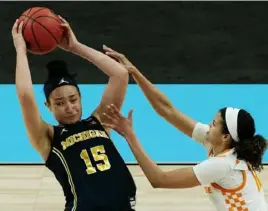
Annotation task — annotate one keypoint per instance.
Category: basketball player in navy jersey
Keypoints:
(79, 152)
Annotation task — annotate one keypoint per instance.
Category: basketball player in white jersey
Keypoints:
(235, 151)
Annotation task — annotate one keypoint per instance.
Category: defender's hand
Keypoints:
(118, 122)
(120, 58)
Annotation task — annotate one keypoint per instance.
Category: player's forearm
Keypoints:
(150, 168)
(158, 100)
(23, 78)
(102, 61)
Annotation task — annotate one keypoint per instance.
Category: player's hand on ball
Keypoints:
(118, 122)
(69, 40)
(120, 58)
(18, 39)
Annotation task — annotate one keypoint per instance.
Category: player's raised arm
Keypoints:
(160, 102)
(115, 91)
(37, 129)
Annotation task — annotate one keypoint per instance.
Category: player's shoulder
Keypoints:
(212, 170)
(219, 160)
(214, 166)
(58, 131)
(229, 157)
(92, 120)
(222, 159)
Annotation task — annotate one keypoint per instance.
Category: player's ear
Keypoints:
(227, 137)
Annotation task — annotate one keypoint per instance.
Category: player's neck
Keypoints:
(219, 149)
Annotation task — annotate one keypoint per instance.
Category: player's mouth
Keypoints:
(71, 116)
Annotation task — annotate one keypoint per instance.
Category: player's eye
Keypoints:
(73, 100)
(59, 103)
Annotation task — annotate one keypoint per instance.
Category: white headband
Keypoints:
(231, 117)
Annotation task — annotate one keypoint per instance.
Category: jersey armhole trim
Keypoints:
(52, 142)
(244, 174)
(98, 121)
(55, 133)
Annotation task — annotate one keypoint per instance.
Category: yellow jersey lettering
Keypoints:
(82, 136)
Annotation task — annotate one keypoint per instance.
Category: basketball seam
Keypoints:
(24, 25)
(35, 21)
(42, 8)
(27, 20)
(32, 28)
(43, 16)
(47, 31)
(29, 17)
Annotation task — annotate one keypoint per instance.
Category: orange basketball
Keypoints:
(42, 30)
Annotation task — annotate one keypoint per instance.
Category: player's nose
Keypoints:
(69, 108)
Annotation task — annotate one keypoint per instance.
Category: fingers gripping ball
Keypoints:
(42, 30)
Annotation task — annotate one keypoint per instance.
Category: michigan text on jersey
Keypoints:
(82, 136)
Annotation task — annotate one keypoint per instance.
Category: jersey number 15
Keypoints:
(98, 153)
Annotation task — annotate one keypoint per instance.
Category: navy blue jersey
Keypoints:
(93, 175)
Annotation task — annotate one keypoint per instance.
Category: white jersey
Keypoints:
(230, 183)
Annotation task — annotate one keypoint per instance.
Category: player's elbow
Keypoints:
(160, 184)
(156, 181)
(122, 77)
(25, 95)
(155, 185)
(23, 90)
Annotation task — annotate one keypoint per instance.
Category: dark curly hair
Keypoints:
(250, 147)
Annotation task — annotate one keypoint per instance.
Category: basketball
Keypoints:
(42, 30)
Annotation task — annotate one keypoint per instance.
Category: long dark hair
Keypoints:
(250, 147)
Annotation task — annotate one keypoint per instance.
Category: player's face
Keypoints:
(65, 104)
(215, 135)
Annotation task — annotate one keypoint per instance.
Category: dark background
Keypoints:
(170, 42)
